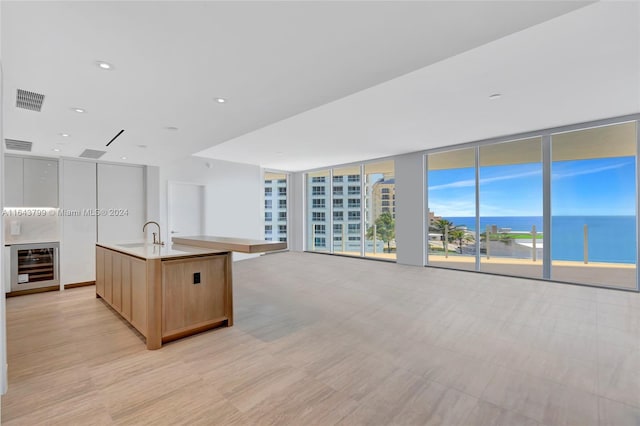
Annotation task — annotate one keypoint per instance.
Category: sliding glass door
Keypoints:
(318, 219)
(275, 206)
(589, 182)
(347, 193)
(511, 223)
(351, 210)
(380, 210)
(594, 206)
(451, 219)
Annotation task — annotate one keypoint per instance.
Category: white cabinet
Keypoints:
(40, 183)
(121, 202)
(31, 182)
(117, 193)
(77, 249)
(13, 181)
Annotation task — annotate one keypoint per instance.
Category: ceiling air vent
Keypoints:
(17, 145)
(29, 100)
(92, 153)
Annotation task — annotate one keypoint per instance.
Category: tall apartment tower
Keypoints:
(383, 198)
(275, 207)
(344, 191)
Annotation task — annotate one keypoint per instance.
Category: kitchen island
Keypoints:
(173, 291)
(166, 292)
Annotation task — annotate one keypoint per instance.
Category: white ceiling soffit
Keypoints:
(271, 60)
(581, 66)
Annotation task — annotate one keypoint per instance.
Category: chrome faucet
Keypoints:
(155, 240)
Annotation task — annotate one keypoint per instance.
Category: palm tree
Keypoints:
(443, 226)
(460, 236)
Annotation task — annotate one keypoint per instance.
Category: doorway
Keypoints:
(186, 209)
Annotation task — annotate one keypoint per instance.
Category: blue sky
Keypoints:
(582, 187)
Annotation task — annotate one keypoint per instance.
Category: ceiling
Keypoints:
(307, 84)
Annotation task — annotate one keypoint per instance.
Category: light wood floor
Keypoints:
(332, 340)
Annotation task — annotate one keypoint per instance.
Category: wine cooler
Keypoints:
(34, 266)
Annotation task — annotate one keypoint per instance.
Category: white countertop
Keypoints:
(154, 251)
(17, 243)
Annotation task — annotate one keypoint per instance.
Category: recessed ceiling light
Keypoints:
(495, 96)
(221, 100)
(64, 135)
(79, 110)
(56, 149)
(172, 128)
(123, 158)
(104, 65)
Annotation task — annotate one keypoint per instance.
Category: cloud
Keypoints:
(573, 173)
(472, 182)
(453, 207)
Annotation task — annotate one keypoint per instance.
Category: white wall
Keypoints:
(152, 191)
(233, 194)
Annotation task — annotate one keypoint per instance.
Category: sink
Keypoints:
(132, 245)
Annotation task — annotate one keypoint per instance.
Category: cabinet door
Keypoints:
(40, 183)
(78, 232)
(13, 181)
(116, 287)
(121, 194)
(139, 295)
(126, 287)
(100, 271)
(187, 303)
(108, 275)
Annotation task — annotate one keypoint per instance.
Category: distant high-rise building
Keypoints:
(383, 198)
(345, 191)
(275, 207)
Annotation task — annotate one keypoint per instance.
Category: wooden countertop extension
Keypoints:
(241, 245)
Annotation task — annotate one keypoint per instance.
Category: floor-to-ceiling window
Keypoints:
(351, 210)
(347, 191)
(275, 206)
(451, 195)
(380, 210)
(318, 211)
(593, 205)
(560, 206)
(511, 223)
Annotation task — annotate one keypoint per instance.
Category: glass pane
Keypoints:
(346, 188)
(380, 210)
(318, 221)
(593, 226)
(275, 206)
(452, 209)
(511, 208)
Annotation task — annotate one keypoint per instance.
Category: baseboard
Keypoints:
(82, 284)
(33, 290)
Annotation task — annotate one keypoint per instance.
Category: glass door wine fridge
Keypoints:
(34, 266)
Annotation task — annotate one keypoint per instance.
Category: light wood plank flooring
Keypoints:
(323, 340)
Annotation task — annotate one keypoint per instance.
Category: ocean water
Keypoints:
(611, 238)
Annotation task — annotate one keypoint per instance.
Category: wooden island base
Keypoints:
(166, 294)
